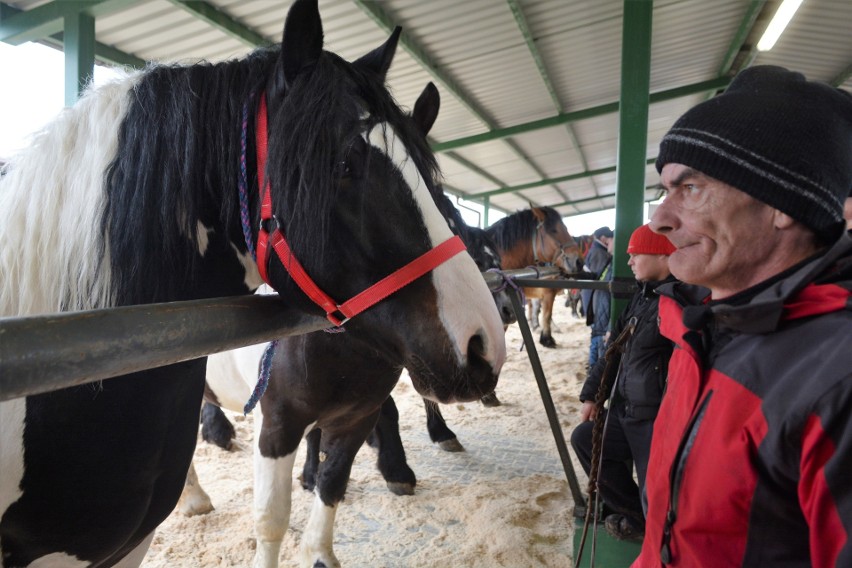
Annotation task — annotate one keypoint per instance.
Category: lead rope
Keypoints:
(262, 377)
(243, 187)
(245, 221)
(604, 391)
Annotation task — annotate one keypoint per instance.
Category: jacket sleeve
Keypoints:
(824, 488)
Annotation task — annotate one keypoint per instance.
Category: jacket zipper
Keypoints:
(676, 476)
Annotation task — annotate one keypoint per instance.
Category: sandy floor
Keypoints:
(503, 502)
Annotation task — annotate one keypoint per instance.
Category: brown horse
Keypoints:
(537, 237)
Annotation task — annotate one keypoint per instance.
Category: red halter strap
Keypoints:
(366, 299)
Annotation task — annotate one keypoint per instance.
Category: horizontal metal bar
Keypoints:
(44, 353)
(563, 283)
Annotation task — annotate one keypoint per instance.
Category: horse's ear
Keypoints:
(301, 45)
(379, 60)
(426, 108)
(539, 213)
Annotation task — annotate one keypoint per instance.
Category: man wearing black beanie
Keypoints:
(752, 449)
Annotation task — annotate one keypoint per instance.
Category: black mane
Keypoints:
(312, 137)
(178, 161)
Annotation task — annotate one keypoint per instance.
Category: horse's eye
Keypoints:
(345, 169)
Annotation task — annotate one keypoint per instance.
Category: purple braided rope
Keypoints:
(508, 282)
(262, 378)
(243, 186)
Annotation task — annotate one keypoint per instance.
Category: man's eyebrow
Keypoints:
(684, 175)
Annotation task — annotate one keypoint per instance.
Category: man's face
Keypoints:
(847, 212)
(649, 267)
(723, 236)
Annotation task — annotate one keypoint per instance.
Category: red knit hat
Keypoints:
(645, 241)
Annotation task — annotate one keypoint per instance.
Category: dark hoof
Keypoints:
(400, 488)
(307, 484)
(490, 400)
(547, 341)
(451, 445)
(216, 428)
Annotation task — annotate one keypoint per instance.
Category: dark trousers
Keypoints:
(625, 439)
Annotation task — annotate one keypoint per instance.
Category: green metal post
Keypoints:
(486, 206)
(79, 54)
(632, 133)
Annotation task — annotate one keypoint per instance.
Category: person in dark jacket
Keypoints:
(637, 394)
(752, 449)
(596, 302)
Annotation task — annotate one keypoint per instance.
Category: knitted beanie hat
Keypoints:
(774, 135)
(645, 241)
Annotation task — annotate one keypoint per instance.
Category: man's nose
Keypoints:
(664, 219)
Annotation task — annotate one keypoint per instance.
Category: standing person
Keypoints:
(751, 460)
(636, 398)
(595, 263)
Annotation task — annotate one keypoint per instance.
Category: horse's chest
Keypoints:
(103, 464)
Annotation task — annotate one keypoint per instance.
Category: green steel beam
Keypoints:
(743, 31)
(599, 197)
(382, 19)
(524, 27)
(103, 52)
(218, 19)
(79, 54)
(379, 16)
(632, 133)
(550, 181)
(48, 19)
(592, 112)
(842, 77)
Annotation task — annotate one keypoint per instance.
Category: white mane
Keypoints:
(51, 202)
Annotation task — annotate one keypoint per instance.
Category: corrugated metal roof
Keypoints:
(477, 54)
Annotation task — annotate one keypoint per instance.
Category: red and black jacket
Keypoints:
(751, 460)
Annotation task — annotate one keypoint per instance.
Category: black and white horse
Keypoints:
(334, 388)
(132, 196)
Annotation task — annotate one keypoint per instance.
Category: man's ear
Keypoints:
(781, 220)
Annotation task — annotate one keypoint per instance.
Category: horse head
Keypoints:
(352, 187)
(552, 243)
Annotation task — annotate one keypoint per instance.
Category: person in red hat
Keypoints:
(636, 394)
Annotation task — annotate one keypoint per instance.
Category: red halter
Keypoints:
(366, 299)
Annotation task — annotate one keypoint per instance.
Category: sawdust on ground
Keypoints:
(504, 502)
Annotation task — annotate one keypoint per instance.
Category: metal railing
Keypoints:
(44, 353)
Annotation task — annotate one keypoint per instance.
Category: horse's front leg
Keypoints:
(274, 455)
(439, 432)
(392, 464)
(547, 299)
(309, 469)
(337, 452)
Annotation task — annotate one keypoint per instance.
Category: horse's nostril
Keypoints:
(479, 371)
(476, 347)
